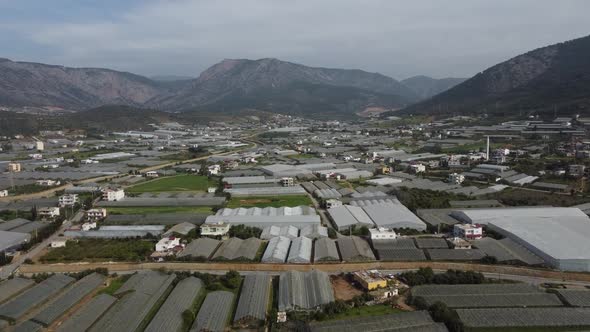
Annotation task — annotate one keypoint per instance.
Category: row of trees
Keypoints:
(426, 275)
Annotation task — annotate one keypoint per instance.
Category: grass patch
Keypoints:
(97, 250)
(159, 209)
(264, 201)
(114, 285)
(364, 311)
(180, 183)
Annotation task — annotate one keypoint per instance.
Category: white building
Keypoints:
(96, 214)
(215, 229)
(468, 231)
(152, 174)
(40, 146)
(456, 178)
(213, 169)
(68, 200)
(49, 212)
(332, 203)
(576, 170)
(382, 233)
(3, 193)
(167, 243)
(112, 195)
(48, 183)
(417, 168)
(88, 226)
(58, 244)
(287, 182)
(14, 167)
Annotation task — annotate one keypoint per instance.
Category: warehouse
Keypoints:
(277, 250)
(304, 290)
(390, 213)
(273, 231)
(355, 249)
(300, 252)
(298, 216)
(238, 249)
(325, 251)
(214, 312)
(347, 216)
(199, 249)
(253, 303)
(560, 236)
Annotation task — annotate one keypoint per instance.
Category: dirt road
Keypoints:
(330, 268)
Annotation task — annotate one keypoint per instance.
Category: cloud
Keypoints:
(398, 38)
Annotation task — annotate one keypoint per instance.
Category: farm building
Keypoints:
(238, 249)
(276, 250)
(399, 322)
(304, 290)
(560, 236)
(507, 251)
(390, 213)
(355, 249)
(265, 191)
(182, 297)
(455, 254)
(314, 231)
(253, 302)
(180, 229)
(300, 251)
(11, 287)
(12, 240)
(347, 216)
(214, 312)
(199, 249)
(67, 299)
(42, 292)
(298, 216)
(272, 231)
(325, 250)
(138, 297)
(88, 314)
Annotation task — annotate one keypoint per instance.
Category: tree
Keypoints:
(232, 279)
(188, 316)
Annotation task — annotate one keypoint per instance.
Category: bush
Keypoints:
(232, 279)
(244, 232)
(451, 277)
(188, 316)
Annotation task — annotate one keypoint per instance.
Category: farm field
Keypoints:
(364, 311)
(179, 183)
(159, 209)
(265, 201)
(100, 250)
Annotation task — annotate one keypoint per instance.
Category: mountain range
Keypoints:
(229, 86)
(552, 80)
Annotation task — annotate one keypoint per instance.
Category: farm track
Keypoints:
(330, 268)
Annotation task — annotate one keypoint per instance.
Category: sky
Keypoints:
(457, 38)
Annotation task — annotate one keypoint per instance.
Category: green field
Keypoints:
(97, 250)
(363, 311)
(264, 201)
(180, 183)
(159, 209)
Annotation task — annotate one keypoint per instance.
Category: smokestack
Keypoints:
(488, 149)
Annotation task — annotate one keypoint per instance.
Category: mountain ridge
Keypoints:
(554, 79)
(230, 84)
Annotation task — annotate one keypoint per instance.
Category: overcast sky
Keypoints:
(438, 38)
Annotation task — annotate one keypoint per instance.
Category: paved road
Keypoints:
(7, 270)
